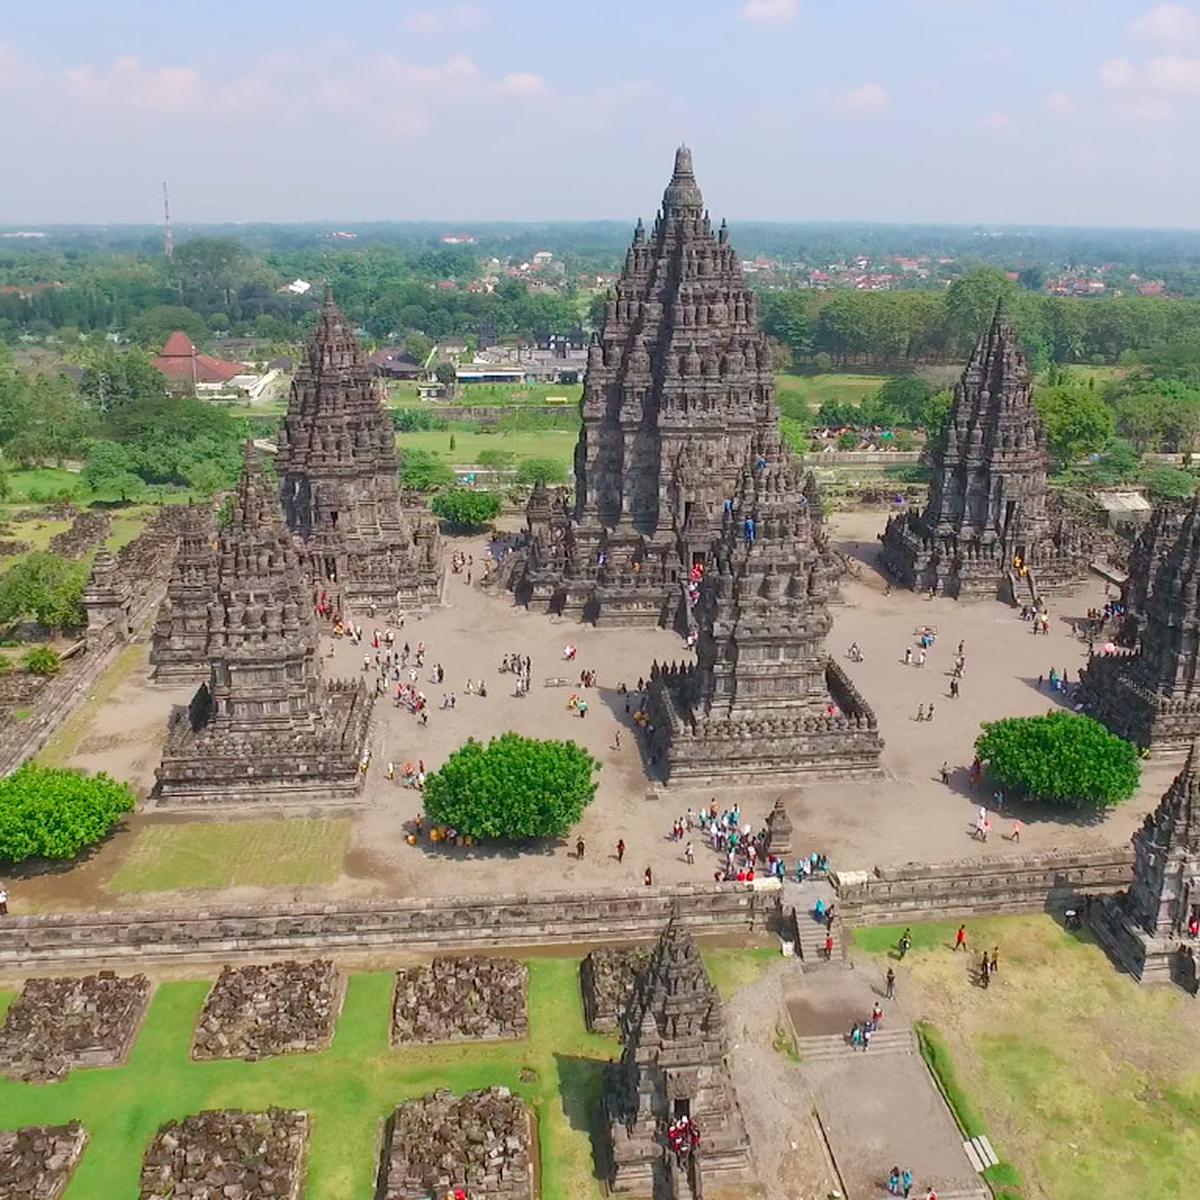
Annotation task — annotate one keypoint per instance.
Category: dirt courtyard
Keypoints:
(906, 814)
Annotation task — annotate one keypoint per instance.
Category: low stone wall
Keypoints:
(968, 887)
(224, 934)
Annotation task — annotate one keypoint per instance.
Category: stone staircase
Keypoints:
(823, 1047)
(799, 901)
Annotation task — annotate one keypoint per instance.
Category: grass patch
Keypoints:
(347, 1090)
(783, 1043)
(557, 444)
(801, 395)
(165, 858)
(884, 939)
(732, 970)
(63, 745)
(1083, 1076)
(21, 714)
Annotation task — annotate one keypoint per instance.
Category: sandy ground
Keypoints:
(906, 814)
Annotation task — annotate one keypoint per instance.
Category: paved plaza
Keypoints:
(906, 814)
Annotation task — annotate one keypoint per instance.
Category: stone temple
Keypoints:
(1144, 929)
(678, 384)
(1151, 695)
(338, 484)
(988, 528)
(264, 727)
(674, 1065)
(764, 697)
(179, 644)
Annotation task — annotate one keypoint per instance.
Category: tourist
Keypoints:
(929, 713)
(689, 854)
(889, 991)
(893, 1183)
(921, 657)
(920, 712)
(906, 1182)
(829, 948)
(984, 971)
(867, 1034)
(1016, 831)
(620, 850)
(953, 689)
(579, 849)
(994, 964)
(908, 656)
(3, 901)
(960, 938)
(945, 773)
(648, 878)
(877, 1015)
(905, 943)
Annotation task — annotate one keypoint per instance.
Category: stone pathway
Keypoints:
(879, 1108)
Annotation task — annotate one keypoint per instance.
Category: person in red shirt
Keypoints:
(829, 946)
(960, 938)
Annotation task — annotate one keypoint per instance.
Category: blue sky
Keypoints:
(1024, 111)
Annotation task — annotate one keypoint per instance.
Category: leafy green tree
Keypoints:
(515, 787)
(446, 374)
(155, 325)
(905, 397)
(971, 302)
(541, 470)
(109, 471)
(423, 470)
(466, 508)
(1061, 758)
(46, 587)
(935, 414)
(49, 812)
(115, 379)
(42, 660)
(1169, 483)
(5, 481)
(1077, 420)
(1118, 464)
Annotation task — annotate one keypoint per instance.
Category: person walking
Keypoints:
(994, 965)
(907, 656)
(828, 947)
(929, 713)
(945, 773)
(620, 850)
(579, 849)
(3, 901)
(906, 1182)
(960, 938)
(920, 712)
(953, 689)
(648, 878)
(689, 854)
(889, 980)
(905, 943)
(921, 657)
(984, 971)
(1016, 831)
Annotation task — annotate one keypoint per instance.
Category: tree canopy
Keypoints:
(1062, 758)
(514, 787)
(45, 587)
(49, 812)
(466, 507)
(423, 470)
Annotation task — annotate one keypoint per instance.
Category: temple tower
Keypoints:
(338, 482)
(1144, 929)
(987, 529)
(179, 645)
(674, 1065)
(678, 381)
(106, 602)
(1151, 696)
(264, 726)
(764, 697)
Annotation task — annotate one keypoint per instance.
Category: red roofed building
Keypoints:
(184, 365)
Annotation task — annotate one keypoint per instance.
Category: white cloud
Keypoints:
(1173, 75)
(1117, 73)
(456, 70)
(127, 83)
(1062, 104)
(457, 18)
(863, 100)
(522, 83)
(770, 12)
(1168, 23)
(996, 122)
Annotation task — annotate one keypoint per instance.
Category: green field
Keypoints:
(404, 395)
(1082, 1078)
(799, 395)
(166, 858)
(347, 1090)
(558, 444)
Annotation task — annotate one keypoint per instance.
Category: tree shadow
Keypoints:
(581, 1090)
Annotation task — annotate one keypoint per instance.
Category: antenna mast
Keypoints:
(168, 235)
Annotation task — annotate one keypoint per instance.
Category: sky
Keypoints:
(1068, 112)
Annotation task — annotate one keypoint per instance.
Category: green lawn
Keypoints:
(404, 395)
(165, 858)
(348, 1090)
(798, 395)
(44, 480)
(558, 444)
(1082, 1078)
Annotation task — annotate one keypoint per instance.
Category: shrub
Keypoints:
(413, 420)
(541, 470)
(1169, 483)
(1061, 758)
(423, 470)
(49, 812)
(466, 508)
(515, 787)
(41, 660)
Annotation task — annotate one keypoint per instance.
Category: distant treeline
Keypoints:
(899, 329)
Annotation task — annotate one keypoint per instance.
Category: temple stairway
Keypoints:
(799, 903)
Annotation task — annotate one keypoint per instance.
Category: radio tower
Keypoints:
(168, 235)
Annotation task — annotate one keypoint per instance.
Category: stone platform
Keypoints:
(461, 999)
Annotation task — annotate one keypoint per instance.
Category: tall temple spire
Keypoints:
(682, 196)
(987, 527)
(338, 481)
